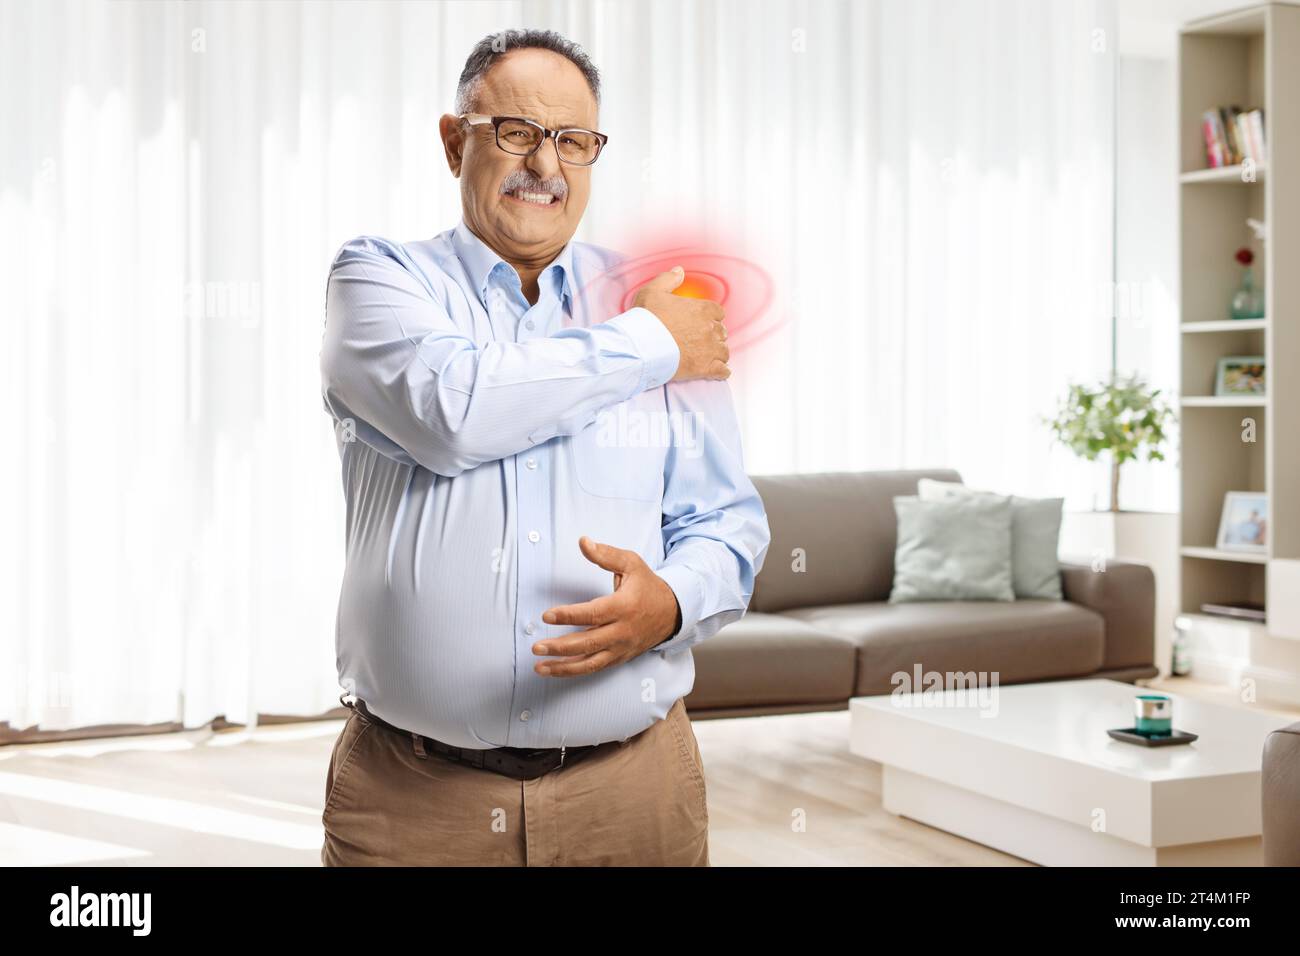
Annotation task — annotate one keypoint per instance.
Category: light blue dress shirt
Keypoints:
(479, 439)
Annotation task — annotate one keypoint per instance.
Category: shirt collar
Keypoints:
(480, 261)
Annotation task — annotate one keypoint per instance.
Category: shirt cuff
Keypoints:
(687, 588)
(653, 342)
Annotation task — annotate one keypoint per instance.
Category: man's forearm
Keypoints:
(391, 359)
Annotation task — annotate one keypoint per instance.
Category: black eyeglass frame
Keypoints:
(480, 119)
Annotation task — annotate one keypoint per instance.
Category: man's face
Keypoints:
(546, 88)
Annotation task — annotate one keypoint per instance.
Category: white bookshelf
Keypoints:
(1224, 174)
(1248, 58)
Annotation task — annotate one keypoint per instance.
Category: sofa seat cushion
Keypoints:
(767, 659)
(1019, 640)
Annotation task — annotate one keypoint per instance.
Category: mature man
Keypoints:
(526, 572)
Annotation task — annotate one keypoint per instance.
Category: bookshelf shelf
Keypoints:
(1227, 325)
(1242, 59)
(1214, 554)
(1224, 174)
(1224, 401)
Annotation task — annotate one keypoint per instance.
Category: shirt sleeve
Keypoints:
(395, 366)
(714, 525)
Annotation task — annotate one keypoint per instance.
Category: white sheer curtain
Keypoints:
(927, 185)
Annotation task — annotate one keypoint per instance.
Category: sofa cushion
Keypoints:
(957, 548)
(769, 659)
(833, 536)
(1035, 537)
(1020, 640)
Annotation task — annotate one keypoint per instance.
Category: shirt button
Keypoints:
(534, 537)
(525, 714)
(531, 464)
(530, 325)
(529, 628)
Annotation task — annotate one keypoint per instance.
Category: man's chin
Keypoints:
(531, 228)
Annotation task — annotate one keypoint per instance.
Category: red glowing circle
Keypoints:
(742, 289)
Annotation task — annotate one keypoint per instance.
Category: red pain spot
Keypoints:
(742, 289)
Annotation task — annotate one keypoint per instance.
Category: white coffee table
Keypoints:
(1030, 771)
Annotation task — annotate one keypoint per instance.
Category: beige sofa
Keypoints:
(1280, 797)
(820, 630)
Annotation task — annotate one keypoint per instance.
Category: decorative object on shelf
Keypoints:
(1122, 417)
(1248, 300)
(1243, 526)
(1240, 375)
(1241, 611)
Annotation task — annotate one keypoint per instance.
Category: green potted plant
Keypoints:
(1123, 418)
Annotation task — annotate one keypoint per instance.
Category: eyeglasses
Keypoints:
(523, 137)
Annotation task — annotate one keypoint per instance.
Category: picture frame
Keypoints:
(1239, 375)
(1243, 524)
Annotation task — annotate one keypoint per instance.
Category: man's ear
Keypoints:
(453, 142)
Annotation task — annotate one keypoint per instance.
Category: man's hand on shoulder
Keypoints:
(696, 325)
(641, 613)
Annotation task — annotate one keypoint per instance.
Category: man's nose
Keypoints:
(545, 162)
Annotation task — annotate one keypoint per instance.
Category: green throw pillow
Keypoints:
(954, 549)
(1035, 537)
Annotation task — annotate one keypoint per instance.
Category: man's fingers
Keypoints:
(666, 281)
(578, 666)
(583, 643)
(606, 555)
(600, 610)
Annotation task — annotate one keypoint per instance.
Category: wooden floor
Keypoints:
(783, 791)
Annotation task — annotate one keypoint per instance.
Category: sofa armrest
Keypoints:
(1124, 594)
(1280, 797)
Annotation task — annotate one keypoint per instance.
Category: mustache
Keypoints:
(525, 180)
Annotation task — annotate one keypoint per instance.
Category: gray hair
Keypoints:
(495, 45)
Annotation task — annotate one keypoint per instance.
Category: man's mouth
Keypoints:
(536, 199)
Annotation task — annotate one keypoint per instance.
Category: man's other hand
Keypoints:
(641, 613)
(695, 324)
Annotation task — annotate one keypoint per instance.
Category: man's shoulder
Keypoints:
(422, 259)
(371, 246)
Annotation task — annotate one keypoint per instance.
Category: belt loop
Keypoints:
(419, 746)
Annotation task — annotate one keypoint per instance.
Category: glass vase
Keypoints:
(1248, 301)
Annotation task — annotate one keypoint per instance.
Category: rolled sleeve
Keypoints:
(689, 591)
(653, 342)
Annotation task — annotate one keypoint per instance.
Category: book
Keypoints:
(1228, 123)
(1244, 611)
(1213, 141)
(1233, 136)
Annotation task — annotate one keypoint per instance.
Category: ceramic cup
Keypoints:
(1154, 712)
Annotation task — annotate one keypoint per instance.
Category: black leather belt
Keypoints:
(520, 763)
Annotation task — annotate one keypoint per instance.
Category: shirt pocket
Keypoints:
(621, 454)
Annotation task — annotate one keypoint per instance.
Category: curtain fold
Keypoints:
(927, 184)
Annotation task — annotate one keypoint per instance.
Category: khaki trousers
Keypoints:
(636, 802)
